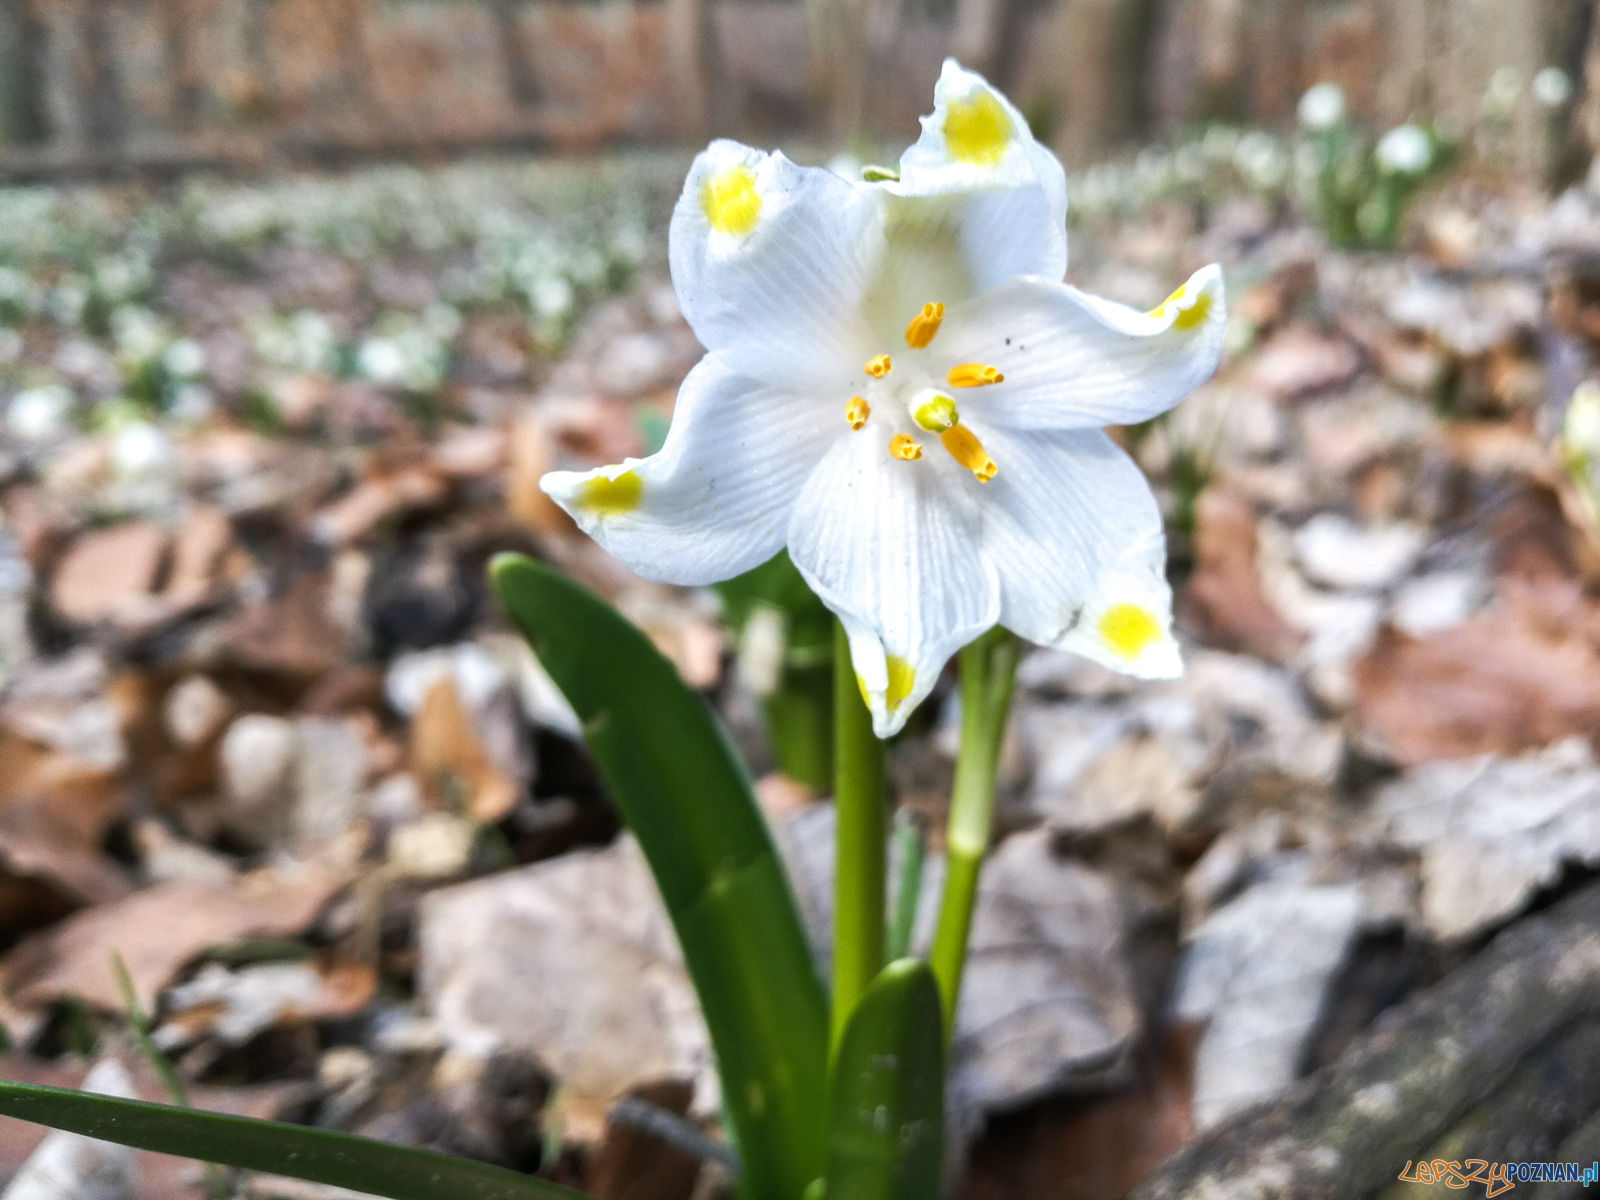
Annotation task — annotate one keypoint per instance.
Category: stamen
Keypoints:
(973, 375)
(963, 446)
(904, 446)
(878, 367)
(857, 412)
(934, 411)
(924, 325)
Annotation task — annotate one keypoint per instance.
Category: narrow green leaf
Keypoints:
(364, 1165)
(686, 797)
(886, 1118)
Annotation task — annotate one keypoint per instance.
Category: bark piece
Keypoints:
(1346, 1132)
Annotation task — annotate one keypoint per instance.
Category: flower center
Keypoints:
(929, 404)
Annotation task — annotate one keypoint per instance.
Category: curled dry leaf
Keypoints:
(157, 931)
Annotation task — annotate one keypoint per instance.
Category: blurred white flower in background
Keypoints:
(1322, 107)
(40, 414)
(1405, 149)
(1552, 87)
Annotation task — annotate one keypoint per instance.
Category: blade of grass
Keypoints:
(361, 1164)
(139, 1027)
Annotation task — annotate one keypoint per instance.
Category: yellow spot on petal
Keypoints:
(934, 411)
(973, 375)
(1187, 318)
(857, 412)
(904, 446)
(1128, 629)
(861, 686)
(963, 446)
(924, 325)
(730, 200)
(902, 675)
(610, 497)
(878, 367)
(976, 130)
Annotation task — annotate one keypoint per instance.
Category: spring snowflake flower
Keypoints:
(899, 388)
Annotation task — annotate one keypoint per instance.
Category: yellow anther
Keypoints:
(924, 325)
(963, 446)
(1199, 309)
(976, 130)
(878, 367)
(1128, 629)
(730, 200)
(904, 446)
(610, 497)
(902, 676)
(934, 411)
(857, 412)
(973, 375)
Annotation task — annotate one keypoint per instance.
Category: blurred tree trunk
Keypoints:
(840, 57)
(24, 107)
(1095, 93)
(520, 77)
(105, 109)
(699, 69)
(187, 90)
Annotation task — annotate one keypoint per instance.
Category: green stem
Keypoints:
(988, 673)
(861, 841)
(911, 846)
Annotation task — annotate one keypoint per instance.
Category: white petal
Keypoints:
(1074, 361)
(1075, 535)
(977, 148)
(715, 500)
(770, 261)
(892, 548)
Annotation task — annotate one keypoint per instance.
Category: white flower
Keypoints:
(40, 414)
(1322, 107)
(1552, 87)
(1405, 150)
(900, 389)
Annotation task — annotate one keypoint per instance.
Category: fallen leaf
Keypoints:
(587, 933)
(109, 574)
(1297, 360)
(446, 753)
(157, 931)
(1224, 597)
(1523, 674)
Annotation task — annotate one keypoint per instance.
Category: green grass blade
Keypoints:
(886, 1117)
(361, 1164)
(686, 797)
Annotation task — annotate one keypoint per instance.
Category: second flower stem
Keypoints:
(988, 673)
(861, 842)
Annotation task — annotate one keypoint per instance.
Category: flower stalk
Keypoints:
(988, 675)
(861, 843)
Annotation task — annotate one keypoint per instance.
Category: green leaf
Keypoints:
(362, 1164)
(686, 797)
(886, 1117)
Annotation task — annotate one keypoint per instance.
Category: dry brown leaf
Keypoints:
(445, 748)
(1297, 361)
(532, 452)
(157, 931)
(1224, 597)
(108, 574)
(197, 553)
(1520, 676)
(355, 514)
